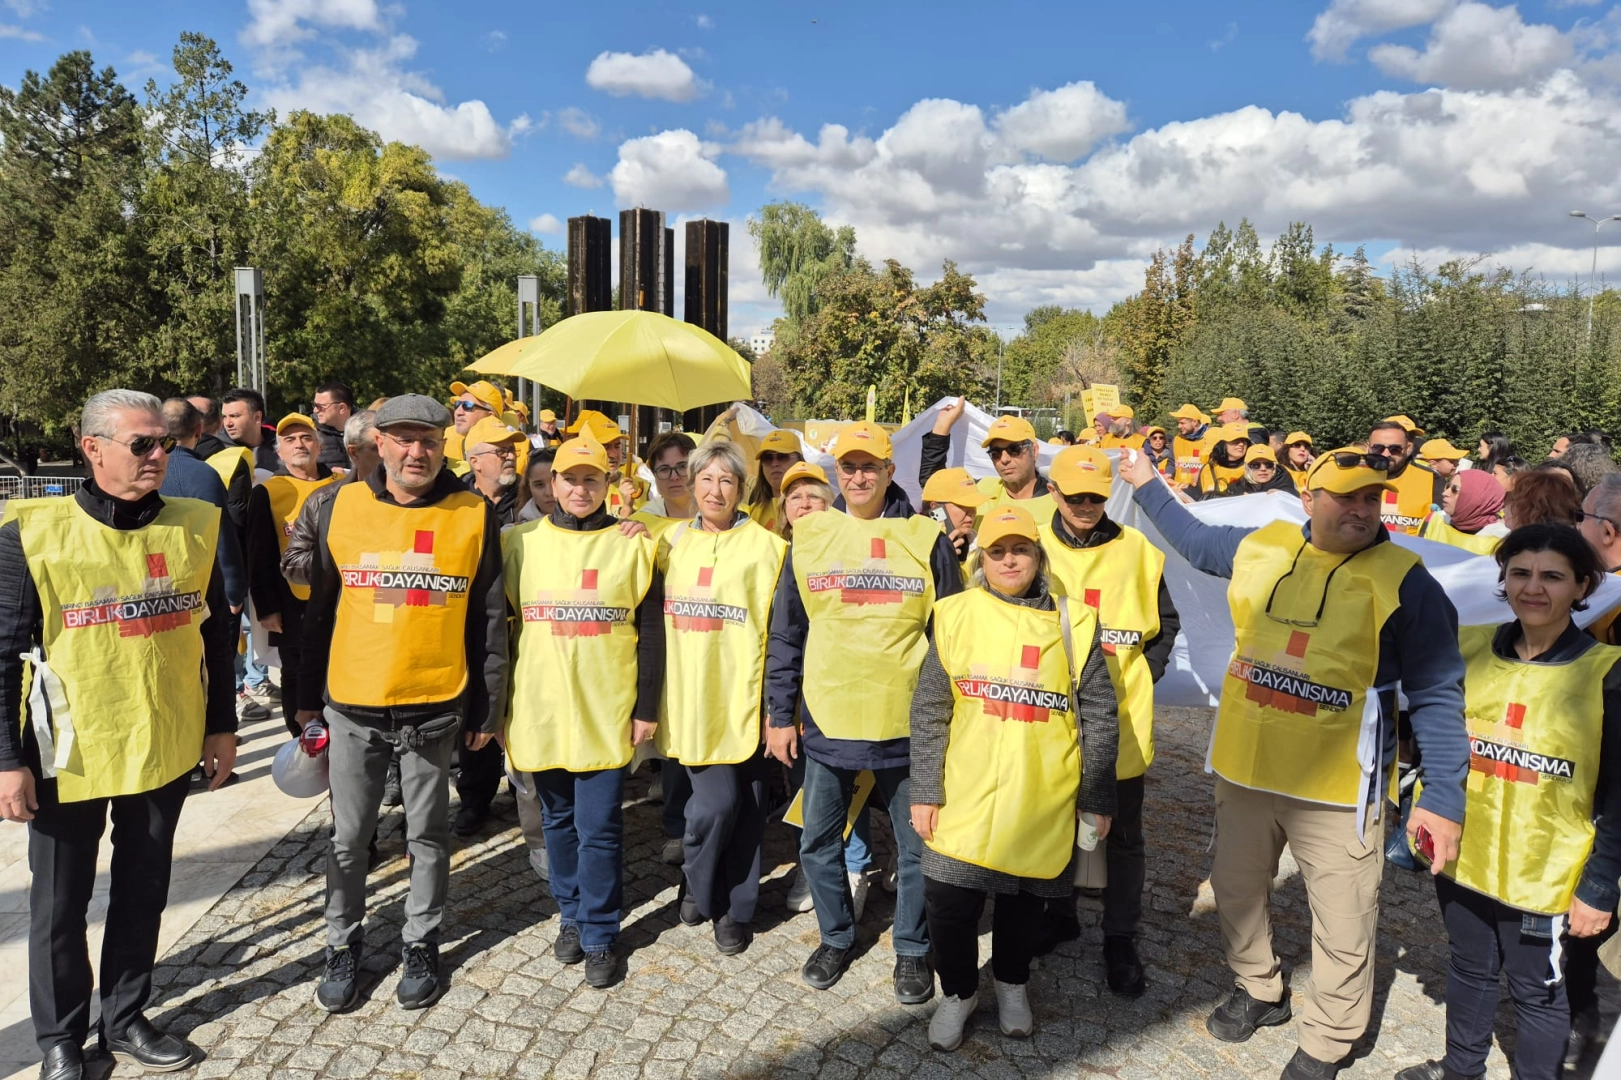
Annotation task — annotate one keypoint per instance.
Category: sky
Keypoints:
(1048, 148)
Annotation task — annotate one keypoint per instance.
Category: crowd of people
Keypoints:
(448, 593)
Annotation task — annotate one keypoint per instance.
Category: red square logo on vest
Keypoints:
(423, 544)
(157, 565)
(878, 547)
(706, 577)
(1031, 658)
(1298, 640)
(1093, 598)
(1516, 715)
(588, 579)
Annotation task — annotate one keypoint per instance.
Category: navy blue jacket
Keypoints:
(190, 477)
(1418, 647)
(785, 656)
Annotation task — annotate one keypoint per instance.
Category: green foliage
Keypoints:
(798, 252)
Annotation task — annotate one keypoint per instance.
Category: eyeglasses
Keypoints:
(670, 472)
(851, 468)
(1347, 459)
(469, 406)
(430, 443)
(1086, 498)
(505, 452)
(1323, 603)
(319, 408)
(1268, 465)
(1016, 449)
(771, 457)
(1582, 515)
(1393, 450)
(143, 445)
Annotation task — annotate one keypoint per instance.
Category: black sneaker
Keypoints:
(1236, 1019)
(391, 785)
(1123, 966)
(689, 912)
(914, 980)
(469, 819)
(731, 937)
(1058, 925)
(601, 969)
(419, 983)
(825, 966)
(339, 990)
(1583, 1030)
(1430, 1070)
(567, 946)
(1305, 1067)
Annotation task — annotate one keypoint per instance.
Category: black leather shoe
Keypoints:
(567, 946)
(392, 795)
(1583, 1030)
(469, 819)
(1123, 966)
(689, 912)
(64, 1061)
(1236, 1019)
(601, 969)
(1430, 1070)
(731, 937)
(914, 980)
(825, 966)
(151, 1049)
(419, 982)
(1305, 1067)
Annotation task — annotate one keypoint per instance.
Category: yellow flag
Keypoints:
(872, 402)
(906, 410)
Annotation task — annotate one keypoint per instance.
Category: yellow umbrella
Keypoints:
(638, 357)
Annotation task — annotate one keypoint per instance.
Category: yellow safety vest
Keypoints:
(1191, 455)
(117, 689)
(1296, 699)
(1118, 442)
(658, 527)
(1120, 581)
(574, 655)
(227, 461)
(1013, 757)
(287, 495)
(1213, 477)
(1534, 737)
(764, 514)
(400, 632)
(1436, 527)
(1298, 476)
(1041, 507)
(717, 606)
(1405, 509)
(868, 590)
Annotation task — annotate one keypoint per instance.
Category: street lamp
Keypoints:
(1598, 223)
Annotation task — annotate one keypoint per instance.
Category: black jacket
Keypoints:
(483, 702)
(22, 620)
(1281, 481)
(272, 595)
(1157, 649)
(190, 477)
(506, 507)
(785, 656)
(333, 455)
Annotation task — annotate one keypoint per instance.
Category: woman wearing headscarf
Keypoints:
(1471, 513)
(997, 803)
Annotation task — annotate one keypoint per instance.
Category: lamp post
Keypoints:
(1598, 223)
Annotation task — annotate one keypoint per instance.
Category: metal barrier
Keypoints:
(35, 487)
(11, 487)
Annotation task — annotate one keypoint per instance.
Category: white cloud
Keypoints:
(495, 40)
(669, 171)
(280, 23)
(545, 223)
(706, 23)
(26, 9)
(20, 33)
(1478, 46)
(1345, 22)
(655, 74)
(581, 177)
(1062, 125)
(578, 122)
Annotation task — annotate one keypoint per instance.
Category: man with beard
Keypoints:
(1414, 488)
(1191, 444)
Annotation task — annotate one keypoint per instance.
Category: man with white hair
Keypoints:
(113, 597)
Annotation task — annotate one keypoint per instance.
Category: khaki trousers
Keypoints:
(1342, 883)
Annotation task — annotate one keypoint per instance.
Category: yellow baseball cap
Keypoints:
(1442, 450)
(1080, 470)
(1259, 452)
(1188, 412)
(581, 450)
(1009, 429)
(1153, 429)
(1006, 521)
(1087, 435)
(1297, 437)
(294, 420)
(953, 486)
(866, 437)
(597, 425)
(1231, 403)
(1327, 474)
(802, 470)
(780, 441)
(548, 417)
(486, 393)
(1120, 412)
(492, 431)
(1407, 423)
(1238, 429)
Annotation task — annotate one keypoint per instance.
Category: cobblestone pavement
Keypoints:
(241, 982)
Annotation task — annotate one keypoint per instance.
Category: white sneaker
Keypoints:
(673, 853)
(799, 894)
(655, 788)
(542, 865)
(858, 894)
(1012, 1011)
(945, 1026)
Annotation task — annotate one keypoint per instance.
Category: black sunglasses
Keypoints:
(1086, 499)
(1321, 604)
(1582, 515)
(1016, 449)
(142, 445)
(1349, 459)
(771, 457)
(1382, 448)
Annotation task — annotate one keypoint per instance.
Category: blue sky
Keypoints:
(1049, 148)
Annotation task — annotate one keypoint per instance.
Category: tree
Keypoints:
(797, 253)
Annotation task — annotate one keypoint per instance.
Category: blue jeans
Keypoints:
(821, 855)
(249, 672)
(585, 841)
(857, 849)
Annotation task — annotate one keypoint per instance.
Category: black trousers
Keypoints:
(1127, 863)
(480, 774)
(1486, 943)
(63, 841)
(677, 790)
(953, 913)
(725, 825)
(1581, 968)
(291, 655)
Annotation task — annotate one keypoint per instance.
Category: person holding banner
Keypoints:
(1225, 463)
(1191, 446)
(1113, 570)
(952, 498)
(847, 633)
(1011, 444)
(1542, 852)
(995, 801)
(1329, 617)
